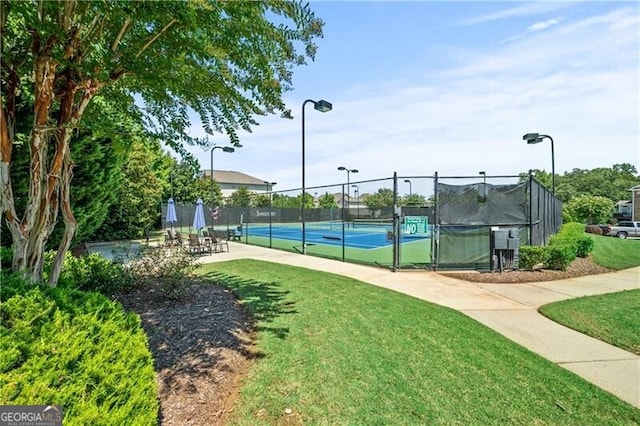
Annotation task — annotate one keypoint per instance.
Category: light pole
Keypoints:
(269, 189)
(534, 138)
(349, 171)
(484, 184)
(322, 106)
(224, 149)
(409, 182)
(357, 190)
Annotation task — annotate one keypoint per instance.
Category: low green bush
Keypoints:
(560, 256)
(170, 269)
(94, 273)
(65, 347)
(584, 246)
(530, 256)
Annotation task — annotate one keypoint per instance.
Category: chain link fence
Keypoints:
(400, 222)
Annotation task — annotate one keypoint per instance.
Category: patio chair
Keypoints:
(220, 244)
(196, 246)
(178, 241)
(170, 239)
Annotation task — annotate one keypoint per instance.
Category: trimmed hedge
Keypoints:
(530, 256)
(79, 350)
(563, 248)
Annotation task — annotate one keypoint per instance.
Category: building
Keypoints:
(230, 181)
(635, 203)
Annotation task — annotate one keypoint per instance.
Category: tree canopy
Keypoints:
(150, 61)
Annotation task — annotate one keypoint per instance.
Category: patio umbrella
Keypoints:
(172, 217)
(198, 217)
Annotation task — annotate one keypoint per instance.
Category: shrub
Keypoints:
(584, 246)
(530, 256)
(74, 349)
(560, 256)
(92, 273)
(566, 217)
(169, 268)
(6, 258)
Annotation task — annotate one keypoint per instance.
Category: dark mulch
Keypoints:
(202, 345)
(578, 268)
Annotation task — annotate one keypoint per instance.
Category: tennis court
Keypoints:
(360, 235)
(362, 242)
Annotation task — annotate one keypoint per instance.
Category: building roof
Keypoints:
(238, 178)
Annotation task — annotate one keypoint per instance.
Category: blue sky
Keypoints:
(451, 87)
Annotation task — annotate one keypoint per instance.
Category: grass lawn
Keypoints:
(616, 253)
(338, 351)
(613, 318)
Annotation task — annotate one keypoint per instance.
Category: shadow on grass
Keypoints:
(265, 301)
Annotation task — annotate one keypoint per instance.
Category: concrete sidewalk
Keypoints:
(510, 309)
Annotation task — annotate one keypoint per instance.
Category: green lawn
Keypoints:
(334, 350)
(616, 253)
(613, 318)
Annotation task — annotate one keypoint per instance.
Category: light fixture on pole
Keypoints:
(349, 171)
(484, 184)
(322, 106)
(409, 182)
(534, 138)
(224, 149)
(357, 190)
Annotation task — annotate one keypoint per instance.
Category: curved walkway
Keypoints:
(509, 309)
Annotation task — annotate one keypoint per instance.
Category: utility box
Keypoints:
(504, 248)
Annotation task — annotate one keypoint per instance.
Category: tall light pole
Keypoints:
(224, 149)
(322, 106)
(269, 189)
(484, 184)
(534, 138)
(349, 171)
(357, 190)
(409, 182)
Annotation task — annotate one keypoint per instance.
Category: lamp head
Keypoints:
(407, 181)
(532, 138)
(342, 168)
(354, 170)
(228, 149)
(322, 105)
(482, 173)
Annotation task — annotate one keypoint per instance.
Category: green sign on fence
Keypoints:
(416, 225)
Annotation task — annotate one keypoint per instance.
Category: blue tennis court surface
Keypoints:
(362, 238)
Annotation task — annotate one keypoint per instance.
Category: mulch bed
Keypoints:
(202, 345)
(578, 268)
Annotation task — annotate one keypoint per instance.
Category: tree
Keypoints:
(227, 61)
(138, 198)
(590, 209)
(261, 200)
(327, 201)
(413, 200)
(382, 198)
(240, 198)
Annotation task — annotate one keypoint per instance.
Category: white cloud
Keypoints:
(544, 24)
(577, 82)
(522, 10)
